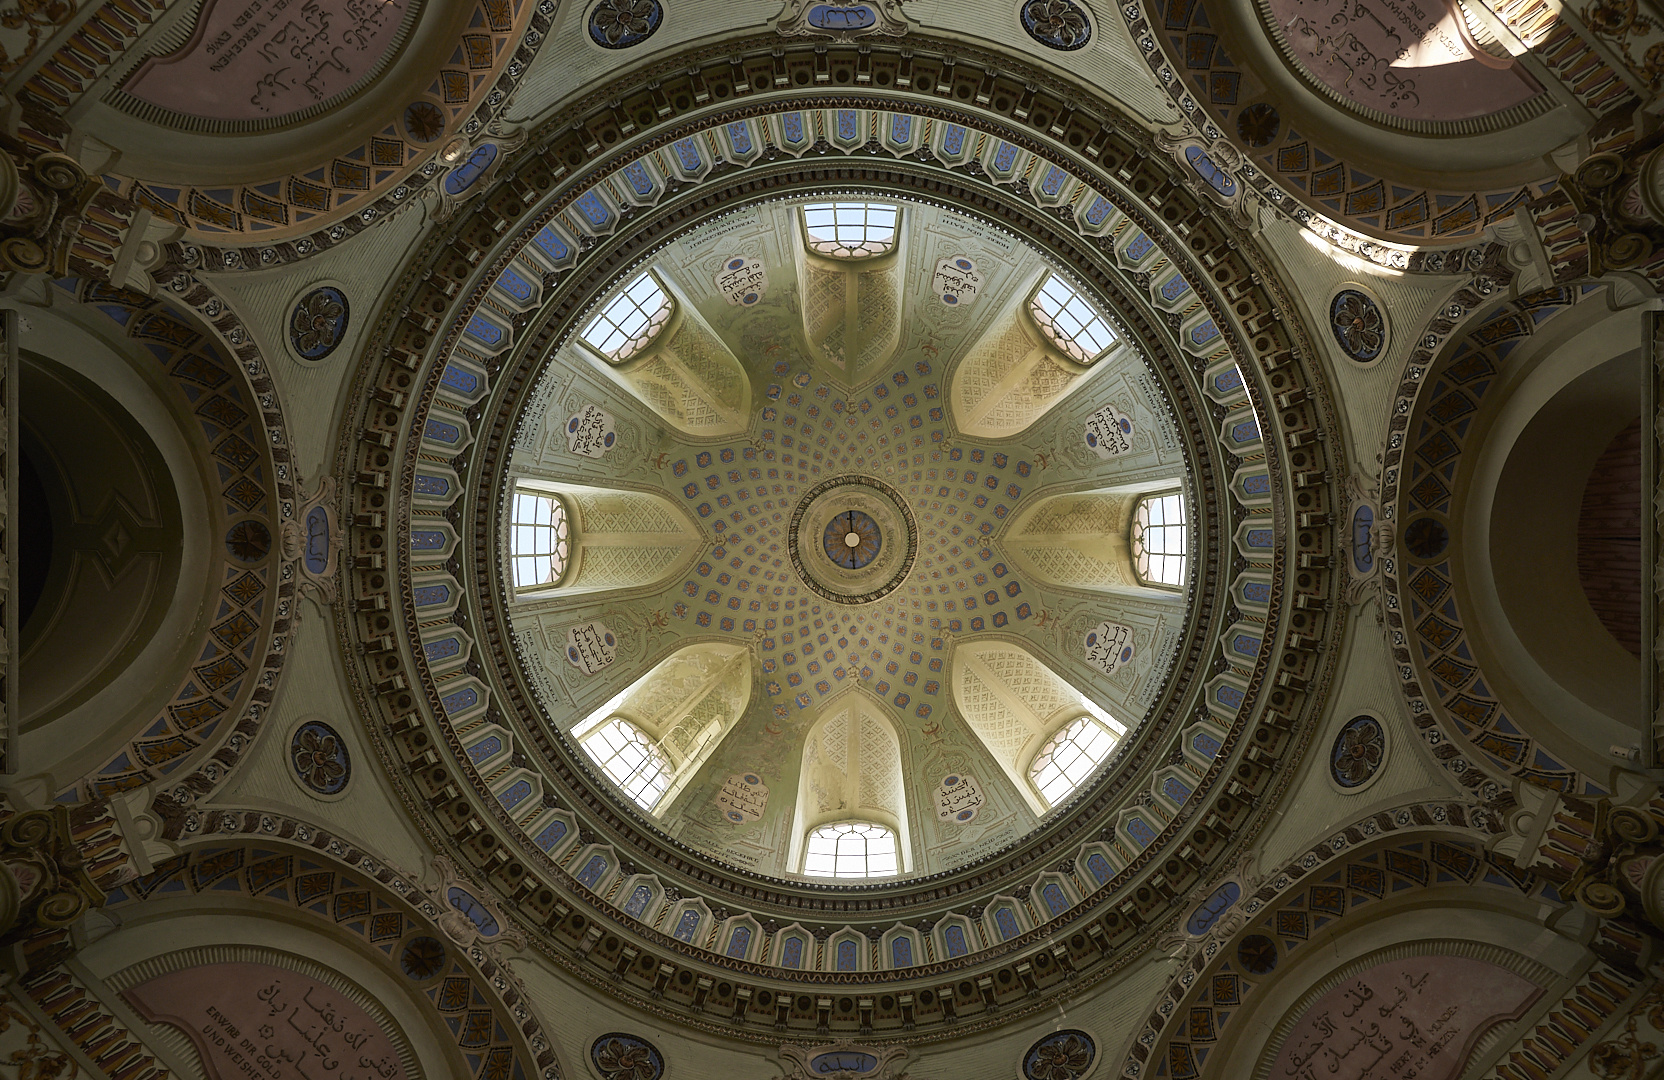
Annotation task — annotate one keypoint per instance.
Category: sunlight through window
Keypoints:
(1069, 757)
(630, 760)
(1072, 324)
(537, 539)
(851, 849)
(1158, 539)
(851, 230)
(630, 320)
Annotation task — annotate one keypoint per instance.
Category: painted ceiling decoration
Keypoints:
(845, 540)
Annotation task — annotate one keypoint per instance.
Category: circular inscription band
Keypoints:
(866, 534)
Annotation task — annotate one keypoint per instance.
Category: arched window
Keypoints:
(851, 230)
(630, 760)
(1158, 539)
(629, 321)
(1072, 324)
(538, 540)
(1069, 757)
(851, 849)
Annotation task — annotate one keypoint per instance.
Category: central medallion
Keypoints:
(852, 540)
(866, 536)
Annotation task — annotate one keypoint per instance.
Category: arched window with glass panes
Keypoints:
(630, 321)
(630, 759)
(851, 849)
(539, 539)
(1070, 322)
(1072, 754)
(1158, 540)
(851, 230)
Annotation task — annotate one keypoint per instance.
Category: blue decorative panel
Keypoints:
(486, 749)
(1005, 920)
(1208, 911)
(551, 835)
(550, 243)
(1005, 157)
(846, 124)
(1204, 332)
(1140, 831)
(427, 540)
(1245, 645)
(1099, 868)
(459, 379)
(592, 872)
(1205, 744)
(477, 913)
(318, 322)
(431, 595)
(516, 793)
(791, 955)
(640, 897)
(901, 128)
(593, 209)
(1217, 178)
(901, 952)
(687, 926)
(1056, 902)
(639, 179)
(465, 175)
(739, 137)
(1098, 211)
(1139, 246)
(1256, 484)
(687, 153)
(432, 485)
(792, 125)
(738, 942)
(953, 139)
(1053, 182)
(1228, 380)
(316, 552)
(1228, 696)
(1260, 538)
(443, 649)
(1257, 592)
(841, 17)
(1174, 287)
(1174, 789)
(848, 956)
(441, 432)
(484, 331)
(462, 700)
(514, 283)
(954, 938)
(1363, 525)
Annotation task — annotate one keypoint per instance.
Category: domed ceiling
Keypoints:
(909, 401)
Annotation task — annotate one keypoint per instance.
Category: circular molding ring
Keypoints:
(813, 582)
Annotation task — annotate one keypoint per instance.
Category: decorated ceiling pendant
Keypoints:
(619, 24)
(1057, 24)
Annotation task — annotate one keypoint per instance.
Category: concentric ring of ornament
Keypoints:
(398, 706)
(867, 549)
(852, 539)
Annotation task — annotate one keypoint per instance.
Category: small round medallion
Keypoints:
(618, 24)
(320, 759)
(625, 1057)
(1065, 1055)
(1358, 751)
(852, 539)
(248, 541)
(422, 958)
(318, 323)
(1427, 537)
(1357, 324)
(1057, 24)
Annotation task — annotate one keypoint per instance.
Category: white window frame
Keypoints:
(1070, 756)
(555, 535)
(624, 327)
(835, 855)
(1164, 568)
(1071, 322)
(842, 243)
(630, 759)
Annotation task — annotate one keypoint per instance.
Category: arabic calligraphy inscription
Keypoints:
(257, 1019)
(1418, 1017)
(1410, 59)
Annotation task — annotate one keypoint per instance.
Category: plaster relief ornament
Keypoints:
(1109, 647)
(618, 24)
(626, 1057)
(590, 432)
(320, 758)
(843, 1061)
(591, 646)
(1358, 751)
(742, 281)
(1066, 1055)
(466, 915)
(1057, 24)
(318, 323)
(842, 20)
(957, 281)
(1109, 432)
(743, 798)
(1358, 326)
(312, 540)
(959, 798)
